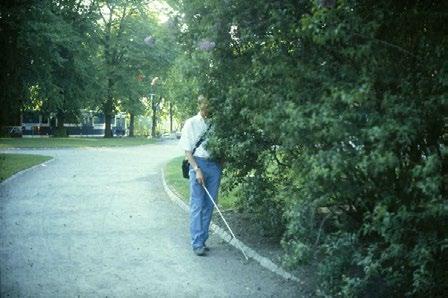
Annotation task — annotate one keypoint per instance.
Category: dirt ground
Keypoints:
(268, 246)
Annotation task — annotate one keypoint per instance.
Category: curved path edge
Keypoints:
(263, 261)
(20, 173)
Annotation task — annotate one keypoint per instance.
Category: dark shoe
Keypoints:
(206, 248)
(200, 251)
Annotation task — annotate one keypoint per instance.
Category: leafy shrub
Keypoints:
(334, 121)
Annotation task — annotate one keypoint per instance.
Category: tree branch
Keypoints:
(387, 44)
(321, 227)
(111, 12)
(100, 13)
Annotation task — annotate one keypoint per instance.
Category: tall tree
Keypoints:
(124, 27)
(51, 44)
(149, 53)
(13, 61)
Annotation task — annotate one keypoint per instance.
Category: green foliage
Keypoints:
(332, 123)
(50, 58)
(61, 65)
(128, 64)
(64, 56)
(183, 86)
(12, 89)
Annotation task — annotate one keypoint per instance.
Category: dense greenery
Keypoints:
(62, 56)
(51, 60)
(333, 122)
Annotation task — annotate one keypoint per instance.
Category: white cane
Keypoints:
(225, 221)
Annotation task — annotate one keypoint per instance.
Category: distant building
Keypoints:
(90, 123)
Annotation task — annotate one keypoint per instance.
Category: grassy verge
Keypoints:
(13, 163)
(174, 179)
(71, 142)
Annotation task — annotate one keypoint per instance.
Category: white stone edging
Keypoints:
(263, 261)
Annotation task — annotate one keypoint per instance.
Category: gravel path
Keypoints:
(96, 222)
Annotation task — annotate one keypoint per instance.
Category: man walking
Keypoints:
(203, 172)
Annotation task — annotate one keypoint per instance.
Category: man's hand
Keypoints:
(196, 169)
(199, 176)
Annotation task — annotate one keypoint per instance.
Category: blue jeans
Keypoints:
(201, 207)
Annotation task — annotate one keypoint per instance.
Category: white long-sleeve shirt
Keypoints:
(192, 131)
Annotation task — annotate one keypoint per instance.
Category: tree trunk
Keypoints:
(131, 125)
(108, 105)
(108, 129)
(108, 119)
(107, 108)
(61, 131)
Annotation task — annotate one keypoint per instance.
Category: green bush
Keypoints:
(333, 122)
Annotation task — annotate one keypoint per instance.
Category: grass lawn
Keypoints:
(174, 179)
(71, 142)
(13, 163)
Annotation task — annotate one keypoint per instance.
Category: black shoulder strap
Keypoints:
(200, 140)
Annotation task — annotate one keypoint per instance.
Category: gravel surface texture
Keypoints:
(96, 222)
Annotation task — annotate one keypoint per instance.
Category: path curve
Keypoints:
(96, 222)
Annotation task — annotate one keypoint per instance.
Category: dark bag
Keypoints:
(185, 168)
(186, 163)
